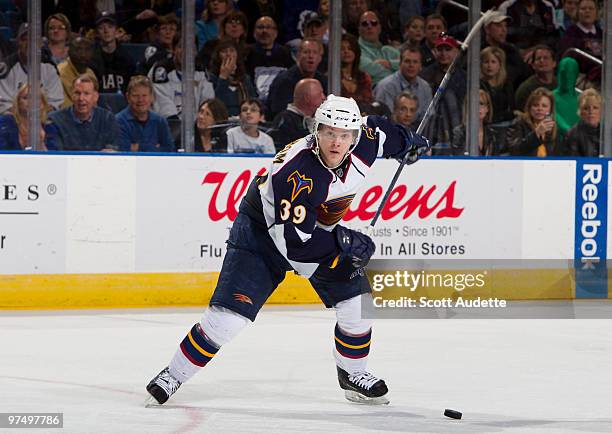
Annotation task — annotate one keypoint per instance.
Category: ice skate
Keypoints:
(363, 388)
(161, 387)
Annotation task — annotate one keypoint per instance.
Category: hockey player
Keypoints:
(288, 220)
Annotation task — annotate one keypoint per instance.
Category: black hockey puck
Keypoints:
(453, 414)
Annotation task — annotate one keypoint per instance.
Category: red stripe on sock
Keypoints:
(351, 357)
(191, 359)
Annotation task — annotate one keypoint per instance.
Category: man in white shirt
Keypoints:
(14, 73)
(406, 79)
(166, 76)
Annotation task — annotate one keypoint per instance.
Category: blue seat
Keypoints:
(6, 33)
(115, 102)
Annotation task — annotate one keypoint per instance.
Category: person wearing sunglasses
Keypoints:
(377, 60)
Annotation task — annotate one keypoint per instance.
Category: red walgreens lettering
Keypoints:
(365, 208)
(235, 195)
(394, 206)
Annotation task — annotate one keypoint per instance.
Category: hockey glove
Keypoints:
(415, 145)
(355, 245)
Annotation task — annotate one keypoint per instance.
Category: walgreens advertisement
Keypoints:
(128, 213)
(439, 209)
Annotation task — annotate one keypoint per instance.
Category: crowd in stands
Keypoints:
(111, 73)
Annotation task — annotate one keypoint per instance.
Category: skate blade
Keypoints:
(358, 398)
(151, 402)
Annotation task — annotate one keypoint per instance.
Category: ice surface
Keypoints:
(278, 375)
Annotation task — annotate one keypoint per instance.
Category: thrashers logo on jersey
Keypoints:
(332, 211)
(300, 182)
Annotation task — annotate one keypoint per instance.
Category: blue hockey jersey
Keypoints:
(301, 201)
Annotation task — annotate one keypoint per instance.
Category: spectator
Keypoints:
(138, 16)
(448, 114)
(161, 49)
(68, 8)
(58, 33)
(207, 27)
(308, 59)
(255, 10)
(414, 31)
(316, 28)
(543, 65)
(247, 138)
(566, 16)
(405, 108)
(495, 33)
(140, 129)
(534, 132)
(435, 25)
(488, 138)
(446, 49)
(532, 22)
(14, 131)
(566, 96)
(586, 35)
(266, 59)
(234, 26)
(80, 56)
(407, 78)
(408, 10)
(294, 122)
(355, 83)
(323, 10)
(111, 63)
(209, 135)
(583, 139)
(83, 126)
(15, 74)
(377, 60)
(351, 14)
(86, 18)
(493, 80)
(230, 83)
(291, 17)
(391, 28)
(166, 77)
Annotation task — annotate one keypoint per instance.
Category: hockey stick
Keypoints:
(408, 159)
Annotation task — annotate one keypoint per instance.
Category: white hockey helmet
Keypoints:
(339, 112)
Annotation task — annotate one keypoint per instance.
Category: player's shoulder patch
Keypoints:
(368, 132)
